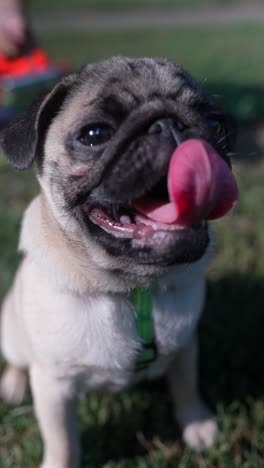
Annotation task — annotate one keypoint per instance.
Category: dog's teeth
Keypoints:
(125, 219)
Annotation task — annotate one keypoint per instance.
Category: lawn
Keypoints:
(46, 6)
(135, 429)
(228, 60)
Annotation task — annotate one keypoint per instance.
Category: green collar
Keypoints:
(142, 300)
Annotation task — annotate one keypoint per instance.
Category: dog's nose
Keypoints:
(168, 128)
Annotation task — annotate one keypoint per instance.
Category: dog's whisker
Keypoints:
(224, 137)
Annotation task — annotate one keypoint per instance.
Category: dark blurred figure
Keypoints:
(14, 30)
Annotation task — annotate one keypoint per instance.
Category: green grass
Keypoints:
(135, 428)
(231, 54)
(227, 60)
(75, 5)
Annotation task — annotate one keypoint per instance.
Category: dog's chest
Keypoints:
(95, 340)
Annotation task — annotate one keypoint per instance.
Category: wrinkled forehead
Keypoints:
(141, 76)
(135, 80)
(118, 85)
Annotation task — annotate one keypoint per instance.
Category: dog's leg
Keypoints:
(197, 422)
(55, 409)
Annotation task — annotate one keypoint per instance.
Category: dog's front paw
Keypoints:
(200, 435)
(58, 464)
(48, 465)
(199, 426)
(13, 385)
(51, 464)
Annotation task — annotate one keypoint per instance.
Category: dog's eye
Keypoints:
(216, 124)
(93, 135)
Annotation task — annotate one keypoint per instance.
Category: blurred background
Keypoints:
(221, 43)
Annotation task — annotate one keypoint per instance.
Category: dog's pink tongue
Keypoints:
(200, 184)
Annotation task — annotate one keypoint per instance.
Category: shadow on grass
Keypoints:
(246, 103)
(231, 339)
(142, 410)
(231, 369)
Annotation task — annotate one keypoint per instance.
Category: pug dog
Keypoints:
(102, 142)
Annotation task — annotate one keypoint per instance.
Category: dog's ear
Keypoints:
(21, 140)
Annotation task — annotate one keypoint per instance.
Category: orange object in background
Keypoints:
(35, 61)
(22, 78)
